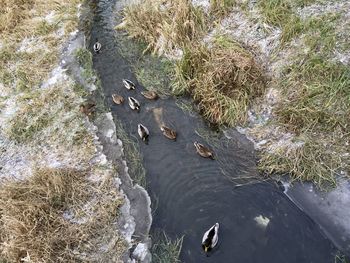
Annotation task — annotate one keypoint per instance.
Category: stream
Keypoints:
(258, 222)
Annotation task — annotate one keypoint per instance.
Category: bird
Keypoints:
(210, 238)
(128, 84)
(117, 99)
(150, 94)
(203, 150)
(143, 132)
(97, 46)
(88, 108)
(168, 132)
(134, 104)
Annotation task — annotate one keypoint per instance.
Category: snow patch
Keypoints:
(319, 9)
(205, 4)
(50, 18)
(57, 75)
(31, 45)
(141, 252)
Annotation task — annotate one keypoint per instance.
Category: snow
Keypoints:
(57, 75)
(205, 4)
(31, 45)
(50, 18)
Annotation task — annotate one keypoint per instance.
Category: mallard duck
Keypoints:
(150, 94)
(210, 238)
(128, 84)
(97, 46)
(203, 151)
(117, 99)
(87, 108)
(143, 132)
(134, 104)
(169, 133)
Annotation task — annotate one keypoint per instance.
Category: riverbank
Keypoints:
(285, 82)
(62, 196)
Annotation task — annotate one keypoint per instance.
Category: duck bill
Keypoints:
(206, 249)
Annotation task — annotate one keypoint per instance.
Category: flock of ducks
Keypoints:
(210, 237)
(143, 131)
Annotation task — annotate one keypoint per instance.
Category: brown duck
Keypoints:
(88, 108)
(203, 150)
(117, 99)
(169, 133)
(150, 94)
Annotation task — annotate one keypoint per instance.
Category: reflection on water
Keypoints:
(257, 222)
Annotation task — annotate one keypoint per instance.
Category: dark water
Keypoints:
(192, 193)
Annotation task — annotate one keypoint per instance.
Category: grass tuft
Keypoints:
(308, 160)
(223, 80)
(164, 25)
(166, 250)
(31, 216)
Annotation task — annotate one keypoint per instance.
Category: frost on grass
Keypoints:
(59, 195)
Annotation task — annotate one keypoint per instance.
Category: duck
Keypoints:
(88, 108)
(210, 238)
(203, 150)
(134, 104)
(150, 94)
(168, 132)
(143, 132)
(117, 99)
(97, 46)
(128, 84)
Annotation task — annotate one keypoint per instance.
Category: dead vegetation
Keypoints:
(164, 25)
(67, 211)
(33, 224)
(223, 79)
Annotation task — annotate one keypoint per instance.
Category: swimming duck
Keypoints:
(143, 132)
(169, 133)
(87, 108)
(117, 99)
(97, 46)
(128, 84)
(134, 104)
(203, 151)
(210, 238)
(150, 94)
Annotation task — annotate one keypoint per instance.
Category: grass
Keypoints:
(223, 80)
(310, 160)
(164, 25)
(282, 13)
(132, 153)
(41, 50)
(164, 250)
(221, 7)
(31, 215)
(315, 106)
(340, 258)
(84, 58)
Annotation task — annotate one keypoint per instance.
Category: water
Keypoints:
(191, 193)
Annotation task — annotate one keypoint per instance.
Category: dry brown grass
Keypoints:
(164, 25)
(223, 79)
(23, 21)
(32, 222)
